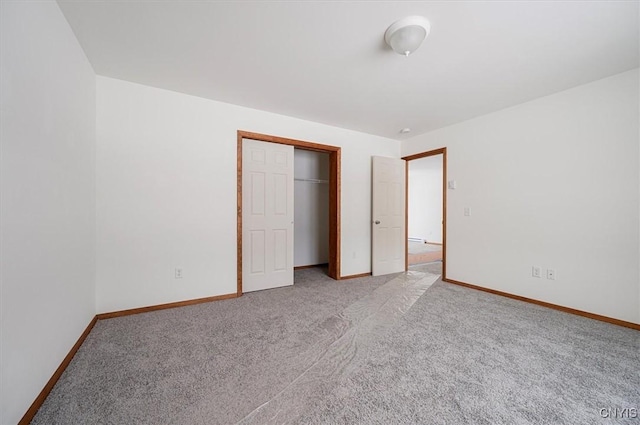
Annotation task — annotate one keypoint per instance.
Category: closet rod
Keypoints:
(311, 180)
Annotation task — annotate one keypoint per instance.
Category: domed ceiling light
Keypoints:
(407, 34)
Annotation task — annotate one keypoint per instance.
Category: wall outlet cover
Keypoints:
(536, 271)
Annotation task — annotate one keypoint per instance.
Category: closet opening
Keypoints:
(323, 172)
(311, 209)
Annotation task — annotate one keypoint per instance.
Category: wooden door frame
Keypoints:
(334, 196)
(443, 152)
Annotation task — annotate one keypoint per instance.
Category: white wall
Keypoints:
(166, 185)
(552, 182)
(425, 198)
(311, 205)
(48, 198)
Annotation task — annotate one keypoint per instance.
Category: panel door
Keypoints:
(267, 215)
(388, 216)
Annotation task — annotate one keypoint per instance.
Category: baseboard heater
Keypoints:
(417, 240)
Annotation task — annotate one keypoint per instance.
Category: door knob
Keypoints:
(377, 222)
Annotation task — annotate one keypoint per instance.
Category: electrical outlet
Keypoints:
(178, 274)
(536, 271)
(467, 211)
(551, 274)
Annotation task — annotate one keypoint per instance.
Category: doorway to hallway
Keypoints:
(426, 208)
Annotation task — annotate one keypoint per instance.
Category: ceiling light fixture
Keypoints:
(405, 130)
(407, 34)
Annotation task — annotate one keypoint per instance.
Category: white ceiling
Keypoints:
(327, 61)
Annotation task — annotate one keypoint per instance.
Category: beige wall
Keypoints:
(553, 183)
(48, 198)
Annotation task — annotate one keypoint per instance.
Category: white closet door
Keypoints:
(267, 215)
(388, 214)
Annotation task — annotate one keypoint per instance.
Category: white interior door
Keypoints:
(267, 215)
(388, 215)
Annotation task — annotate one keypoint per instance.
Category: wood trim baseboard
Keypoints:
(131, 311)
(286, 141)
(444, 213)
(310, 266)
(37, 403)
(335, 215)
(549, 305)
(406, 215)
(355, 276)
(424, 154)
(239, 218)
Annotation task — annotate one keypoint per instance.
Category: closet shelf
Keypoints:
(311, 180)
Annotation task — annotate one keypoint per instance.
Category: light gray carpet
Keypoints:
(433, 268)
(387, 350)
